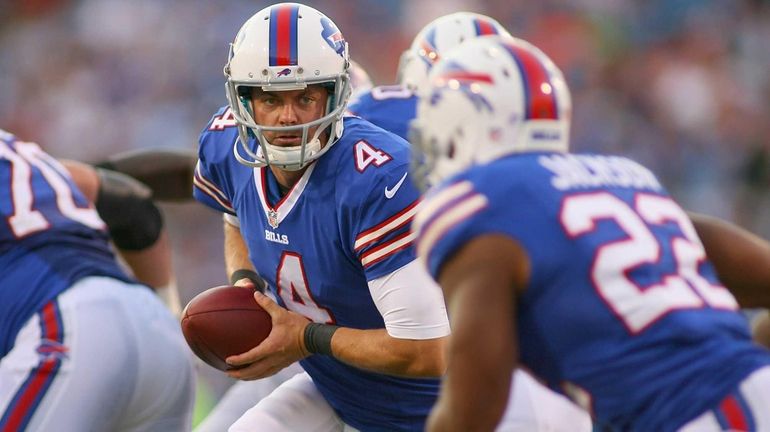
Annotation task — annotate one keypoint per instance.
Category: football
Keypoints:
(224, 321)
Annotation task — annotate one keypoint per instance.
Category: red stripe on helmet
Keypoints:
(283, 36)
(467, 77)
(484, 27)
(541, 95)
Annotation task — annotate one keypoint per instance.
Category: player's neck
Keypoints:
(287, 179)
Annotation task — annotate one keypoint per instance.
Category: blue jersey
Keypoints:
(346, 222)
(623, 313)
(389, 107)
(51, 236)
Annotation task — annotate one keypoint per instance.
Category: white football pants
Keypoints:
(103, 356)
(242, 396)
(746, 409)
(298, 406)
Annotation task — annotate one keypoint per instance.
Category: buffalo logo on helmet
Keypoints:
(284, 72)
(455, 77)
(333, 36)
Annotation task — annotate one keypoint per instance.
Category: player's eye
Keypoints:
(269, 100)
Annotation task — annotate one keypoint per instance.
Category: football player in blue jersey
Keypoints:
(66, 303)
(578, 266)
(242, 395)
(319, 206)
(168, 173)
(531, 406)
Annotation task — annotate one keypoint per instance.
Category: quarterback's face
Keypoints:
(288, 108)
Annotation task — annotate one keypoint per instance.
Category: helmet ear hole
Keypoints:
(451, 149)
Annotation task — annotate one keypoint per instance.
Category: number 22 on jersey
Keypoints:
(28, 160)
(639, 307)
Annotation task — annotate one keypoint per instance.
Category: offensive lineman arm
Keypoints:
(480, 283)
(151, 263)
(167, 172)
(374, 350)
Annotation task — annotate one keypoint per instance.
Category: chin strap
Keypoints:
(286, 156)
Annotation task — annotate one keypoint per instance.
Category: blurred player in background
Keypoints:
(579, 267)
(392, 107)
(82, 345)
(320, 207)
(532, 407)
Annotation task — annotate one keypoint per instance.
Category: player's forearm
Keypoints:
(236, 252)
(455, 417)
(474, 393)
(168, 172)
(741, 259)
(473, 396)
(377, 351)
(134, 221)
(479, 283)
(152, 265)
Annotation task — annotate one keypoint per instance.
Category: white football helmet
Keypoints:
(287, 46)
(436, 38)
(488, 98)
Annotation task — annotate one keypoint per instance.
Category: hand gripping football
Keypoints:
(224, 321)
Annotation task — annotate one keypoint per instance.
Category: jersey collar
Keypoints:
(276, 214)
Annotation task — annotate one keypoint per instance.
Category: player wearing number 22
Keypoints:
(580, 267)
(324, 206)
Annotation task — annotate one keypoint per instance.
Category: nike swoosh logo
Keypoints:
(390, 193)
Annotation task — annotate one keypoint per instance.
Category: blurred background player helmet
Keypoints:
(488, 98)
(287, 46)
(436, 38)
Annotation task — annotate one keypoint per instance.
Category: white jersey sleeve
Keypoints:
(411, 303)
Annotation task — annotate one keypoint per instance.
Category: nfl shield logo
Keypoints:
(272, 218)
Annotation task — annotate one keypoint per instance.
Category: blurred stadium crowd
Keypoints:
(682, 86)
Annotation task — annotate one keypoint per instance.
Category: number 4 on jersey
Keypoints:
(367, 155)
(226, 120)
(294, 289)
